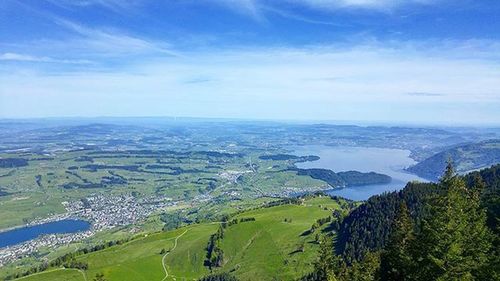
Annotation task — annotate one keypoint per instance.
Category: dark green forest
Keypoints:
(342, 179)
(443, 231)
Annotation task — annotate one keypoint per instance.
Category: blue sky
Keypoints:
(397, 61)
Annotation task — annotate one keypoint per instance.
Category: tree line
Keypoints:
(448, 234)
(215, 254)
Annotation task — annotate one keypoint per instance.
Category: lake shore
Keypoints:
(389, 161)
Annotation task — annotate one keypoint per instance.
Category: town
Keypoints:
(102, 212)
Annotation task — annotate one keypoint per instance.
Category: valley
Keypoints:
(152, 183)
(277, 232)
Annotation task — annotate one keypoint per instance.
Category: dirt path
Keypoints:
(164, 256)
(173, 248)
(83, 273)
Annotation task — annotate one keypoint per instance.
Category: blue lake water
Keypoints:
(364, 159)
(20, 235)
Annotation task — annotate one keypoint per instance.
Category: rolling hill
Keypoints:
(281, 233)
(465, 158)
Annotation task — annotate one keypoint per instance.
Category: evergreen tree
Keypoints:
(367, 269)
(325, 264)
(396, 261)
(489, 265)
(454, 241)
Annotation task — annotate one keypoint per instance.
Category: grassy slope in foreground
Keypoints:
(57, 274)
(260, 249)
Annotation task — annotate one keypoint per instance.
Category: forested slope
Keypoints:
(465, 158)
(368, 226)
(443, 231)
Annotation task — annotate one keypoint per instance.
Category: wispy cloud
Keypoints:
(423, 94)
(118, 6)
(82, 43)
(129, 73)
(298, 17)
(367, 4)
(198, 80)
(370, 82)
(258, 8)
(250, 8)
(30, 58)
(99, 41)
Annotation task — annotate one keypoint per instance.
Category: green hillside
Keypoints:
(365, 228)
(427, 231)
(465, 159)
(265, 243)
(57, 274)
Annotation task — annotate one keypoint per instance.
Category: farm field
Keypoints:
(39, 189)
(275, 243)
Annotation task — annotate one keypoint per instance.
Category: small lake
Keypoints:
(23, 234)
(364, 159)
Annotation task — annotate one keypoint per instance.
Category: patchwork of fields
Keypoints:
(38, 189)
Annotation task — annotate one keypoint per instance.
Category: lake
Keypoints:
(364, 159)
(23, 234)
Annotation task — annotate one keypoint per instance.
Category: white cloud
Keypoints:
(82, 42)
(367, 82)
(299, 17)
(378, 4)
(255, 8)
(250, 8)
(29, 58)
(118, 6)
(112, 43)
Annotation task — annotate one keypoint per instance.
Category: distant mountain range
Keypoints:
(466, 158)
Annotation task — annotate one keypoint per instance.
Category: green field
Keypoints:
(38, 189)
(271, 246)
(59, 274)
(266, 248)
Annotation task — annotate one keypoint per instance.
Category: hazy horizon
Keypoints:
(145, 119)
(403, 62)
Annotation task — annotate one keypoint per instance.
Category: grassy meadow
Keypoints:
(275, 245)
